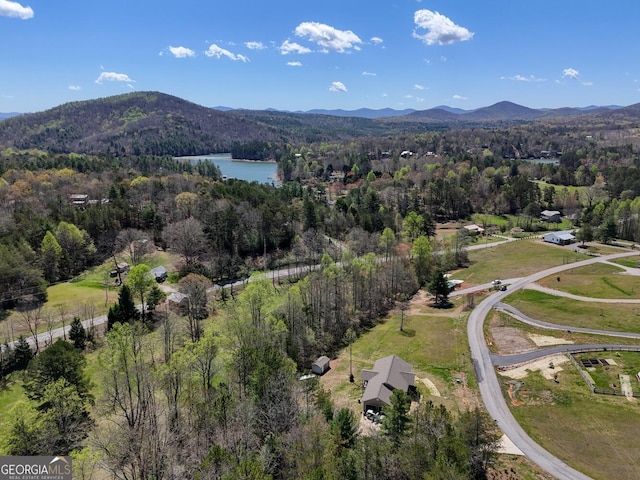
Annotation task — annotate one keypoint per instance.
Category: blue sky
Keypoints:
(303, 54)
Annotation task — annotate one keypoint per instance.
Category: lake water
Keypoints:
(261, 172)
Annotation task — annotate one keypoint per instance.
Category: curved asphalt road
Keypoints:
(552, 326)
(488, 381)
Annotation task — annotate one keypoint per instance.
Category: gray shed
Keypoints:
(159, 273)
(321, 365)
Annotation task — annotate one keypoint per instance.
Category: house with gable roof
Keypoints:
(388, 373)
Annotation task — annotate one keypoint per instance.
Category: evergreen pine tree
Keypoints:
(77, 334)
(123, 311)
(22, 354)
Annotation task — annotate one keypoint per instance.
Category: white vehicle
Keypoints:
(496, 282)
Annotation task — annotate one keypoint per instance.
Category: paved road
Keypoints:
(488, 381)
(552, 326)
(516, 358)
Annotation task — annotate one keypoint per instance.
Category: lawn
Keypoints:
(433, 341)
(632, 262)
(514, 259)
(599, 280)
(574, 313)
(597, 434)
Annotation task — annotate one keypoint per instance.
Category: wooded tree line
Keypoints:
(228, 403)
(244, 226)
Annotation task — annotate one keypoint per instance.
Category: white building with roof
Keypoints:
(563, 237)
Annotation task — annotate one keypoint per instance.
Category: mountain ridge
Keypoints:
(155, 123)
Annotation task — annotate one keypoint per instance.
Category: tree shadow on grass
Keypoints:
(408, 332)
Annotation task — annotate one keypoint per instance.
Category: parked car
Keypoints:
(503, 288)
(496, 282)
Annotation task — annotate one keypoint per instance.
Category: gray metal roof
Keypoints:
(388, 373)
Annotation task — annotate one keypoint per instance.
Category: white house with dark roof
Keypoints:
(388, 373)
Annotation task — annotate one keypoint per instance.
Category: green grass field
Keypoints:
(433, 341)
(574, 313)
(598, 281)
(633, 262)
(597, 434)
(515, 259)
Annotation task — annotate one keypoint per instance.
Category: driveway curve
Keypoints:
(488, 382)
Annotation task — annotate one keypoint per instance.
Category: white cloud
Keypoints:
(440, 29)
(418, 87)
(294, 64)
(369, 74)
(571, 73)
(113, 77)
(419, 99)
(75, 88)
(255, 45)
(218, 52)
(15, 10)
(443, 58)
(376, 40)
(182, 52)
(288, 47)
(459, 97)
(337, 87)
(587, 84)
(329, 38)
(522, 78)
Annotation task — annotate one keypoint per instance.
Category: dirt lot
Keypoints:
(508, 340)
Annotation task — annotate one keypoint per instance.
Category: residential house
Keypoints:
(388, 373)
(560, 238)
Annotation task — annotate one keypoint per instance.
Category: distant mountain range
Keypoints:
(160, 124)
(502, 111)
(8, 115)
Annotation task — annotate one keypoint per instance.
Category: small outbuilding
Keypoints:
(321, 365)
(560, 238)
(159, 274)
(474, 229)
(550, 216)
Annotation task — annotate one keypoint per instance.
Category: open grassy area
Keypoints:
(597, 434)
(599, 280)
(574, 313)
(515, 259)
(433, 341)
(633, 262)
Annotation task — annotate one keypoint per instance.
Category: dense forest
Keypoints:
(211, 389)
